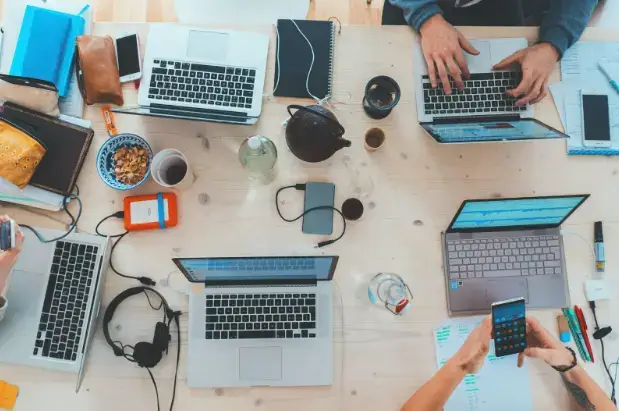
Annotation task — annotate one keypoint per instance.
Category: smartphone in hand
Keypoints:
(509, 327)
(7, 235)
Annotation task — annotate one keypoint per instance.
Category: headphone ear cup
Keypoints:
(146, 354)
(161, 338)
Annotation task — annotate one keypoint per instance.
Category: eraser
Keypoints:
(8, 395)
(564, 328)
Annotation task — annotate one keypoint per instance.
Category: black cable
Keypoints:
(72, 225)
(178, 354)
(301, 187)
(610, 377)
(156, 390)
(119, 237)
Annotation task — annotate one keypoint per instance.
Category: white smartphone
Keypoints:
(595, 119)
(128, 57)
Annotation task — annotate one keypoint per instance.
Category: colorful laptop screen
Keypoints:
(257, 268)
(541, 211)
(526, 129)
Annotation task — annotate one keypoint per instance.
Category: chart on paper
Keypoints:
(499, 382)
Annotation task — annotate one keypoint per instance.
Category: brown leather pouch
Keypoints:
(20, 154)
(97, 70)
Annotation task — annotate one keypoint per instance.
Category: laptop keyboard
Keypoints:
(202, 84)
(482, 93)
(504, 257)
(66, 301)
(242, 316)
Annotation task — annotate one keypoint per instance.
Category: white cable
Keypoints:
(563, 232)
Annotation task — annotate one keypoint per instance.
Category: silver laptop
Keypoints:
(481, 112)
(206, 75)
(53, 299)
(260, 321)
(505, 248)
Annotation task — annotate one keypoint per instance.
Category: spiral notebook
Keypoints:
(295, 58)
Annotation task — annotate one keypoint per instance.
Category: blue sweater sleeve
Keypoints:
(416, 12)
(565, 21)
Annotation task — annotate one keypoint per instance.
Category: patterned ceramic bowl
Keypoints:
(105, 159)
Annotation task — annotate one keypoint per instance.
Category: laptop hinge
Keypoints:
(474, 119)
(261, 283)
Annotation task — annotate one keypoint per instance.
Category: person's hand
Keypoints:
(442, 48)
(9, 257)
(470, 357)
(543, 345)
(536, 63)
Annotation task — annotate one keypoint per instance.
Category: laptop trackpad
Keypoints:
(506, 288)
(260, 363)
(208, 45)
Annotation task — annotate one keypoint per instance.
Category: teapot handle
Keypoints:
(335, 122)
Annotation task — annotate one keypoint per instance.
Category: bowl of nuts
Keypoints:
(123, 162)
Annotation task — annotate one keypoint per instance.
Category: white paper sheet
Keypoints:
(29, 196)
(13, 15)
(486, 390)
(580, 62)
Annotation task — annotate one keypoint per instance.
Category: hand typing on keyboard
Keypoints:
(536, 63)
(442, 46)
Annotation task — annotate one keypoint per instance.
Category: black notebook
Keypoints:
(67, 146)
(295, 58)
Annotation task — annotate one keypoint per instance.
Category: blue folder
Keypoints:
(46, 46)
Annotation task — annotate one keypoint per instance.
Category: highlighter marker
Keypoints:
(598, 238)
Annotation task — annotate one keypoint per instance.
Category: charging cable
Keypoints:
(599, 335)
(301, 187)
(586, 242)
(72, 225)
(120, 214)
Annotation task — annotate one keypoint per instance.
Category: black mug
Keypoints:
(382, 94)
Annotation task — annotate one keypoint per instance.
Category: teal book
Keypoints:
(46, 46)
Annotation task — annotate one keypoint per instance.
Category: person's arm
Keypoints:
(587, 394)
(416, 12)
(543, 345)
(564, 23)
(434, 394)
(7, 259)
(469, 359)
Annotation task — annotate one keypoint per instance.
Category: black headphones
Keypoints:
(146, 354)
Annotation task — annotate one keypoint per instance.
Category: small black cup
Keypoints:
(382, 94)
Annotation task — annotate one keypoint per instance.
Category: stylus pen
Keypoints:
(606, 71)
(598, 239)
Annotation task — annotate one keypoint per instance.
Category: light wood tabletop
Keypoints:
(411, 189)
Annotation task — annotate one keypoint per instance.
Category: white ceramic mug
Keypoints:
(168, 167)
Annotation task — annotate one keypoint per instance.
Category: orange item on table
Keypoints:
(110, 121)
(8, 395)
(148, 212)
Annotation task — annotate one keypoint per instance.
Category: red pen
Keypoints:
(583, 329)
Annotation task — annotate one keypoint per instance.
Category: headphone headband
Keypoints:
(111, 309)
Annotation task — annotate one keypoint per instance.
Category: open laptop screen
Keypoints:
(487, 130)
(257, 269)
(534, 212)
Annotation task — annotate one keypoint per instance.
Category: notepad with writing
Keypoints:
(295, 58)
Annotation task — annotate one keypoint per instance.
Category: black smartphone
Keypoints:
(595, 120)
(319, 221)
(509, 327)
(7, 235)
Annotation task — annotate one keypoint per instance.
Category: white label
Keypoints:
(143, 212)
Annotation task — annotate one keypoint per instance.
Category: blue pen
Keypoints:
(606, 72)
(598, 238)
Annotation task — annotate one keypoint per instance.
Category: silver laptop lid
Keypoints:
(514, 213)
(489, 129)
(221, 271)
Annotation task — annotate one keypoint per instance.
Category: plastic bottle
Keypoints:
(258, 155)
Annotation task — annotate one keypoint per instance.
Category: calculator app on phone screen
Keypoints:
(509, 327)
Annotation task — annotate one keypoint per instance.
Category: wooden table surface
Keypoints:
(411, 189)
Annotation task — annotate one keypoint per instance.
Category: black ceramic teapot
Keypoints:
(313, 133)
